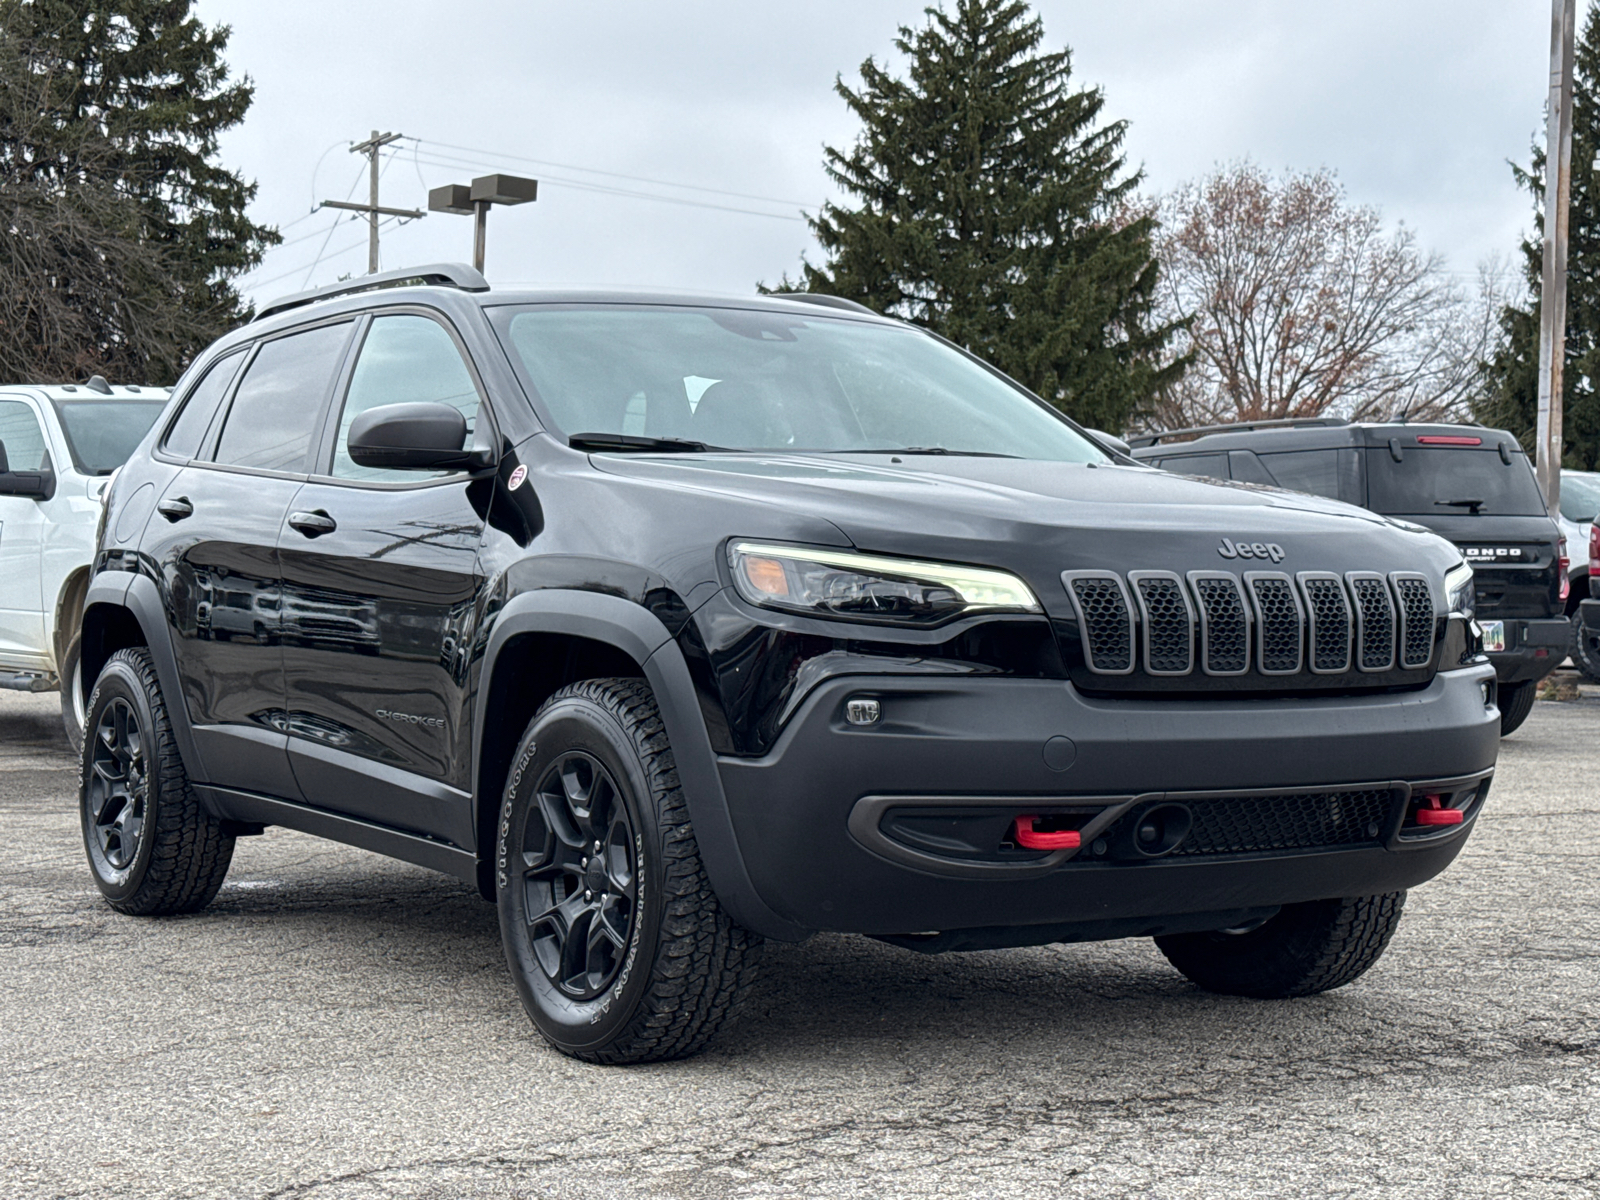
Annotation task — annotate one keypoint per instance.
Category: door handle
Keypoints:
(175, 508)
(313, 524)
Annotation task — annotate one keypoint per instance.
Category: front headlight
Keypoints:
(870, 587)
(1459, 592)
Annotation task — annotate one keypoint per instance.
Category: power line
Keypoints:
(693, 187)
(453, 161)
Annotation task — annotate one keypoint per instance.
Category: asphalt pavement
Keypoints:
(341, 1027)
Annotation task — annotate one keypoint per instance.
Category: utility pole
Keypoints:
(1553, 294)
(370, 148)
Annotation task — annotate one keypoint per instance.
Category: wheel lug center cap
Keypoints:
(594, 876)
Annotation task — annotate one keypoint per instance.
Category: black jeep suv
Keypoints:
(1472, 485)
(673, 624)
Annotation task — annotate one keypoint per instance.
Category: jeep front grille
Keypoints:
(1374, 621)
(1215, 623)
(1280, 623)
(1106, 619)
(1329, 609)
(1416, 620)
(1224, 623)
(1168, 622)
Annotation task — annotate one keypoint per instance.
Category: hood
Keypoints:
(1040, 518)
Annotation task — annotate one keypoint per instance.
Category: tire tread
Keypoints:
(190, 856)
(705, 965)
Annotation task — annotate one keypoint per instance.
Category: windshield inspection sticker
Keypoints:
(516, 479)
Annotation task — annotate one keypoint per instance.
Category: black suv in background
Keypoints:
(674, 623)
(1472, 485)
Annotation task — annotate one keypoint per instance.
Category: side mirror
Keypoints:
(31, 485)
(1111, 442)
(413, 437)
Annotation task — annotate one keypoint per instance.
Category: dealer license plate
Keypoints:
(1494, 635)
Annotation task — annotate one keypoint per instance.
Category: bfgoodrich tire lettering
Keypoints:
(153, 849)
(617, 944)
(1305, 949)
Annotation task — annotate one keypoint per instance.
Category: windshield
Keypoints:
(1580, 497)
(1435, 482)
(749, 380)
(102, 433)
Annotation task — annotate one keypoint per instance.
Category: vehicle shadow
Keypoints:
(851, 1004)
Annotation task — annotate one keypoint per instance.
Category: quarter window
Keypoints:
(22, 437)
(404, 359)
(274, 412)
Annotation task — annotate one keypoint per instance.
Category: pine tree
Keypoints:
(122, 234)
(1513, 398)
(995, 209)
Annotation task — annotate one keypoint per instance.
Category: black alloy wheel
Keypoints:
(117, 788)
(153, 848)
(579, 875)
(616, 941)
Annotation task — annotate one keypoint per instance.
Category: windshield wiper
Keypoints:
(628, 441)
(925, 450)
(1474, 505)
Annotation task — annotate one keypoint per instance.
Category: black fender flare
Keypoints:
(139, 596)
(640, 634)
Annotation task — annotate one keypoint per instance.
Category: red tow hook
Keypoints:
(1437, 814)
(1030, 838)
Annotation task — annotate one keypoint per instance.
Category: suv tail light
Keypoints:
(1563, 563)
(1594, 548)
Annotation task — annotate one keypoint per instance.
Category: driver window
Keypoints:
(21, 436)
(404, 359)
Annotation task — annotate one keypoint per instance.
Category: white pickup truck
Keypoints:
(58, 446)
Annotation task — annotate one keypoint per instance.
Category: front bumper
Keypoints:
(1534, 648)
(1028, 744)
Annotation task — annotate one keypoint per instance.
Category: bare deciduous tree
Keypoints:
(1302, 305)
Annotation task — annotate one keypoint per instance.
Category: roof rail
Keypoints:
(456, 275)
(826, 301)
(1151, 439)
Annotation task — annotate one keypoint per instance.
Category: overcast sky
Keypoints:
(1417, 104)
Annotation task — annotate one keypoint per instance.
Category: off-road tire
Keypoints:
(1516, 702)
(72, 707)
(1585, 649)
(1303, 950)
(686, 968)
(182, 854)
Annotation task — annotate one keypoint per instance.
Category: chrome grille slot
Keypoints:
(1375, 621)
(1329, 610)
(1168, 621)
(1280, 622)
(1105, 620)
(1416, 619)
(1224, 623)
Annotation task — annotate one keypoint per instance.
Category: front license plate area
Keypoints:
(1494, 635)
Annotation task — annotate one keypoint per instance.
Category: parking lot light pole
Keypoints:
(474, 200)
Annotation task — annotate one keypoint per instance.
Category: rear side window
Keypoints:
(22, 437)
(1213, 465)
(404, 359)
(194, 418)
(1434, 481)
(1319, 472)
(274, 412)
